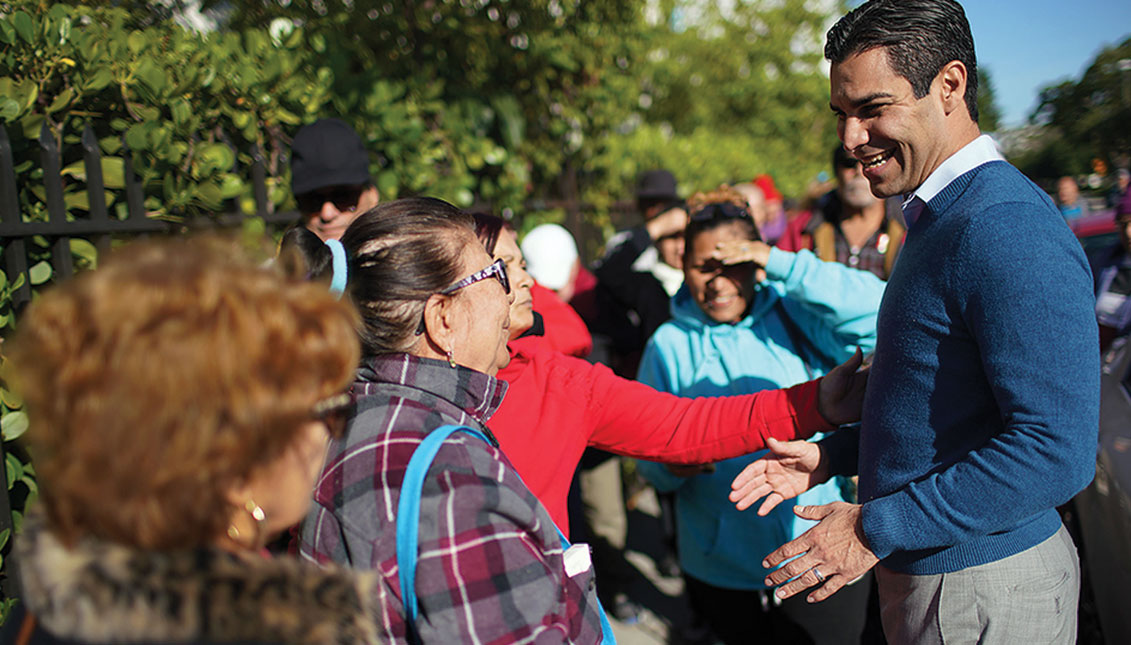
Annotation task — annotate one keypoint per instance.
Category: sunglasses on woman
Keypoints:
(720, 210)
(497, 270)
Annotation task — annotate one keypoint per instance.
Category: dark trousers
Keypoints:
(741, 617)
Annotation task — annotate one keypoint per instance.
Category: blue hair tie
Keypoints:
(338, 281)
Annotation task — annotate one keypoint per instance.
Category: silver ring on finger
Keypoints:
(817, 572)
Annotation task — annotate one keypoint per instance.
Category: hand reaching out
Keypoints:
(840, 397)
(789, 469)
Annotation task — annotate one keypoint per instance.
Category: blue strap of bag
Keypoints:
(408, 523)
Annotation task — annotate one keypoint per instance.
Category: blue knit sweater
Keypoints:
(983, 404)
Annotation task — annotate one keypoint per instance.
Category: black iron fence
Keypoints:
(98, 225)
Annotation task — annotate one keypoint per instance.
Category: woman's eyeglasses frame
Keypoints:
(334, 411)
(497, 270)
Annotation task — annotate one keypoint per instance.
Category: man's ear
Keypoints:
(952, 81)
(372, 190)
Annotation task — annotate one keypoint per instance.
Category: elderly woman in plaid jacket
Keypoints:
(490, 566)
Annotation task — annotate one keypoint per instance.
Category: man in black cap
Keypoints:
(330, 177)
(656, 199)
(641, 269)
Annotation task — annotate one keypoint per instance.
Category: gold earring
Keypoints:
(451, 360)
(257, 514)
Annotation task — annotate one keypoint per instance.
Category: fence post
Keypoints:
(56, 208)
(95, 185)
(15, 253)
(135, 196)
(259, 182)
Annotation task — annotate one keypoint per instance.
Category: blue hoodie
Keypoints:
(833, 308)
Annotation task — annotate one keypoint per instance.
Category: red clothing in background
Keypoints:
(556, 405)
(584, 300)
(565, 330)
(795, 238)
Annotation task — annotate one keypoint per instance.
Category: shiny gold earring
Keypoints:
(451, 360)
(257, 514)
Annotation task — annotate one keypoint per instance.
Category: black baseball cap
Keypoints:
(327, 153)
(656, 185)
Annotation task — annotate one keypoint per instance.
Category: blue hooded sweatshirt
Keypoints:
(831, 310)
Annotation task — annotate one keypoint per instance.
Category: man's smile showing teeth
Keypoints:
(876, 160)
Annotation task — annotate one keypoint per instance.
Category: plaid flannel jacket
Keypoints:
(490, 568)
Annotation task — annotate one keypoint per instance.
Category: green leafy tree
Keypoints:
(989, 114)
(727, 94)
(550, 99)
(515, 90)
(1085, 119)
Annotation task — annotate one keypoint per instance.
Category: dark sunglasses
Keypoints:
(335, 411)
(718, 211)
(344, 198)
(497, 270)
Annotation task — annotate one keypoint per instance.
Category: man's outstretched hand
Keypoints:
(830, 555)
(789, 469)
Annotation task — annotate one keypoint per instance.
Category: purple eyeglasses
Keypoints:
(497, 270)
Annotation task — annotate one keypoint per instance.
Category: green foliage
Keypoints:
(175, 99)
(537, 90)
(989, 114)
(1084, 120)
(728, 96)
(496, 96)
(21, 483)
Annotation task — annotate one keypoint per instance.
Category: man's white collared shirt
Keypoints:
(970, 156)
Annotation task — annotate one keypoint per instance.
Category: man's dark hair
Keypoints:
(920, 36)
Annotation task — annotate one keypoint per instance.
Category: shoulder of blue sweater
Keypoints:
(991, 184)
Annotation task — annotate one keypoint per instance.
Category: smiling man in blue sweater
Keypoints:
(983, 404)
